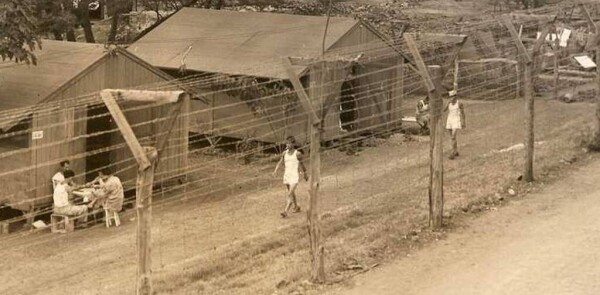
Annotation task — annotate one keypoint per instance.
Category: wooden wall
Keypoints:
(225, 115)
(65, 130)
(378, 104)
(378, 98)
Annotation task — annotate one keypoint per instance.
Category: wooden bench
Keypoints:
(114, 216)
(62, 223)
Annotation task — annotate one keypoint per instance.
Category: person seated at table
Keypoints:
(422, 113)
(110, 194)
(61, 195)
(97, 181)
(59, 176)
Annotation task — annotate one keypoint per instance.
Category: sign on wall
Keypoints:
(37, 134)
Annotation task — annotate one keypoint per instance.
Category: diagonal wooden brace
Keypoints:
(304, 99)
(132, 142)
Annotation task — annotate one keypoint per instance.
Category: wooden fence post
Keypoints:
(146, 158)
(143, 200)
(316, 91)
(310, 104)
(556, 62)
(400, 93)
(529, 119)
(436, 173)
(436, 186)
(527, 66)
(597, 139)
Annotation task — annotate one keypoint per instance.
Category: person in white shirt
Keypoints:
(59, 177)
(62, 205)
(110, 194)
(291, 160)
(455, 121)
(422, 113)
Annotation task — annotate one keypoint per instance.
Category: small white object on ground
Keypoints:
(39, 224)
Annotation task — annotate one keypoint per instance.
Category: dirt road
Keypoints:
(547, 244)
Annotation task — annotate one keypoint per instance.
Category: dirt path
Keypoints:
(546, 244)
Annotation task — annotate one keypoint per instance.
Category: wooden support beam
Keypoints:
(488, 60)
(174, 113)
(317, 249)
(442, 37)
(147, 95)
(422, 68)
(143, 200)
(436, 172)
(528, 68)
(529, 121)
(456, 76)
(533, 17)
(556, 59)
(454, 56)
(513, 32)
(538, 45)
(304, 99)
(308, 61)
(125, 128)
(399, 93)
(597, 142)
(487, 38)
(589, 19)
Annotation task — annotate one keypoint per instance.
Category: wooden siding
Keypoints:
(225, 115)
(377, 99)
(65, 139)
(378, 104)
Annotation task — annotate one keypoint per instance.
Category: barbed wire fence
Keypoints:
(225, 210)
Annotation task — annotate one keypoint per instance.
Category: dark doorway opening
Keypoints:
(348, 114)
(99, 125)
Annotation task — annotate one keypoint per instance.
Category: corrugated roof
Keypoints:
(238, 43)
(23, 85)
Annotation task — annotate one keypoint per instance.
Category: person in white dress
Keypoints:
(455, 121)
(292, 160)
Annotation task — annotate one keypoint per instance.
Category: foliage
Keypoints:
(54, 17)
(18, 30)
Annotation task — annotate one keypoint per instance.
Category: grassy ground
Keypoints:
(232, 240)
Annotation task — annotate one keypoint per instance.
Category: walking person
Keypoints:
(292, 160)
(455, 121)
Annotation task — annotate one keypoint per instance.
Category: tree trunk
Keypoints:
(57, 35)
(71, 36)
(114, 24)
(84, 20)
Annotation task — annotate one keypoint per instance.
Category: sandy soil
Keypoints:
(226, 236)
(544, 244)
